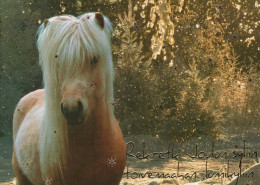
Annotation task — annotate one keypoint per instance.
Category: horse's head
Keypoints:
(75, 55)
(81, 93)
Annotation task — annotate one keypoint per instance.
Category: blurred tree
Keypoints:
(20, 72)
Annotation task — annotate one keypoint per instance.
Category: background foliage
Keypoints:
(184, 68)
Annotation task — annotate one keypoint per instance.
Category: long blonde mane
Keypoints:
(65, 44)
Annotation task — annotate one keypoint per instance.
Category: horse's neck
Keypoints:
(94, 131)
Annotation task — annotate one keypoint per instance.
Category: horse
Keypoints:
(66, 133)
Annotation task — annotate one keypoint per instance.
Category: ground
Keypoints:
(6, 172)
(163, 159)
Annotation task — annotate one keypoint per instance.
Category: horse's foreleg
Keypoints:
(21, 179)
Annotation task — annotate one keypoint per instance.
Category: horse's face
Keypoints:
(81, 93)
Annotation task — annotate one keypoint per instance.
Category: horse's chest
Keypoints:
(98, 169)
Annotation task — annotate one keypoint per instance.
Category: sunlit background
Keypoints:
(184, 68)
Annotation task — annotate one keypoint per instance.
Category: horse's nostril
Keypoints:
(72, 111)
(80, 106)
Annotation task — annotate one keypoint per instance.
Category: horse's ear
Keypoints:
(100, 19)
(46, 21)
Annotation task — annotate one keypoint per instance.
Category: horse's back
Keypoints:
(25, 104)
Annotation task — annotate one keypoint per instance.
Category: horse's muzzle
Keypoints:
(73, 113)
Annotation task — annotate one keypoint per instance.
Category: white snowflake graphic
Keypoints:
(48, 181)
(111, 162)
(92, 86)
(28, 164)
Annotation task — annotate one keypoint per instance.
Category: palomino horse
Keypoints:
(66, 133)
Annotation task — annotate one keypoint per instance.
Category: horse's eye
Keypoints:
(94, 60)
